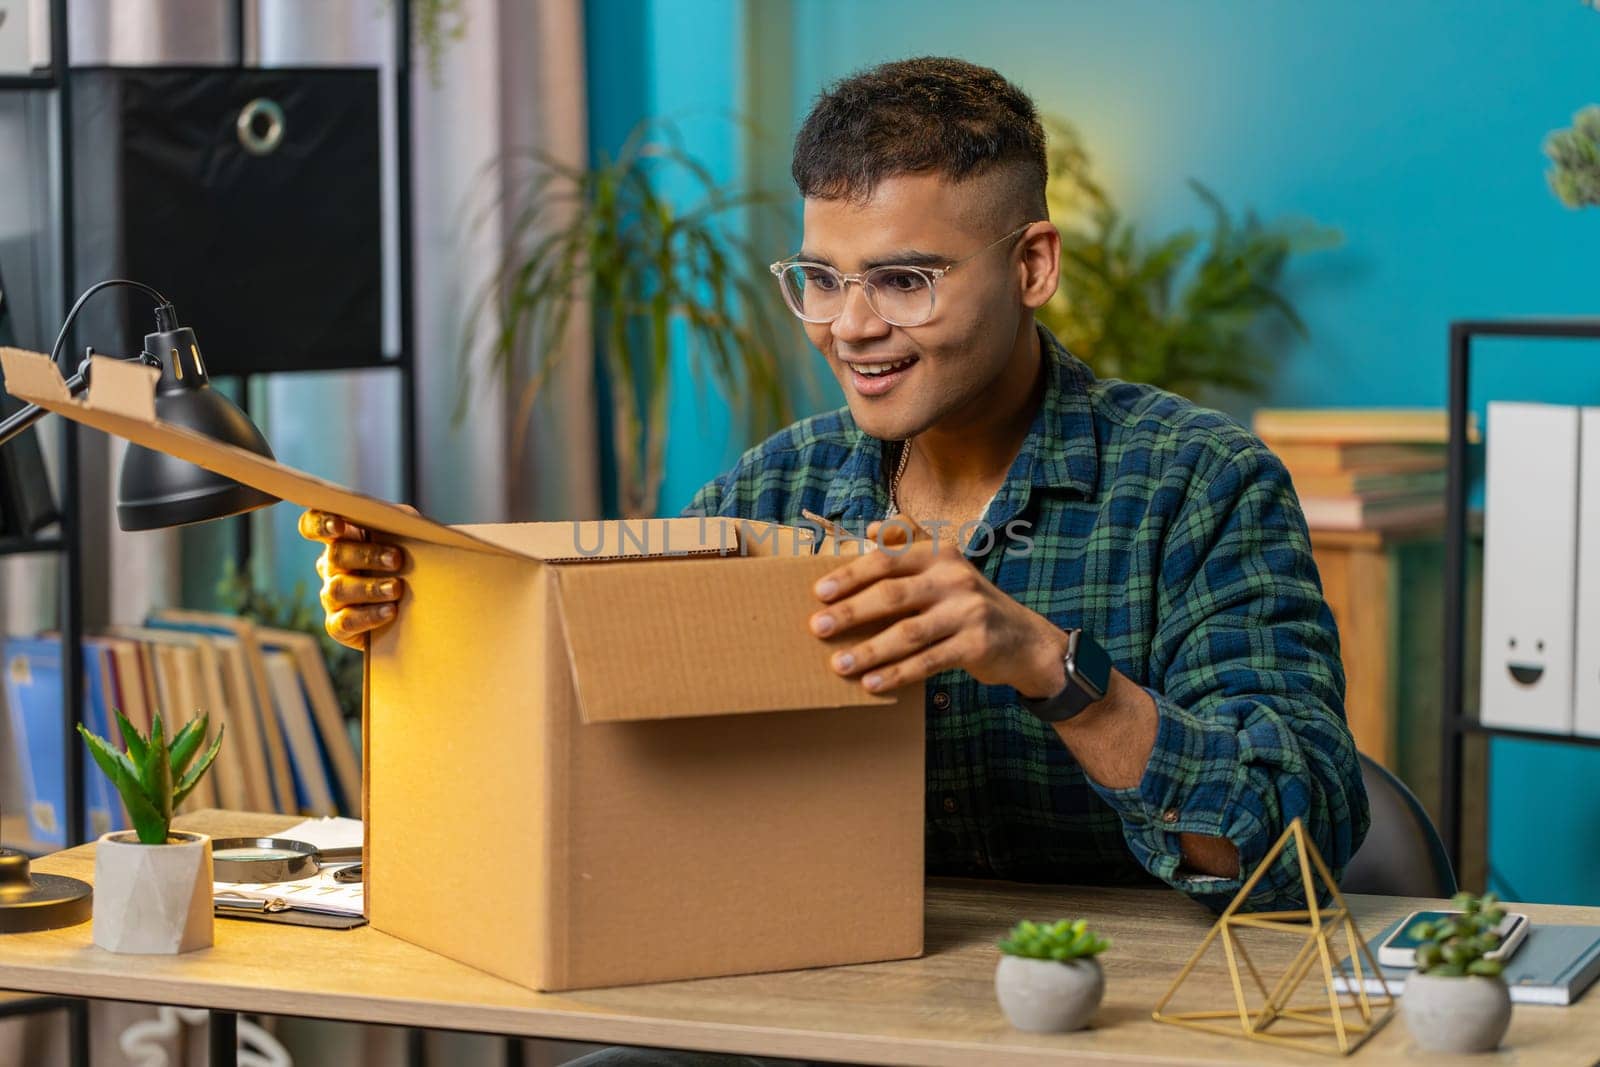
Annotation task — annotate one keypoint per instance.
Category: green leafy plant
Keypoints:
(297, 611)
(437, 24)
(152, 776)
(1061, 941)
(1574, 156)
(609, 241)
(1456, 946)
(1183, 311)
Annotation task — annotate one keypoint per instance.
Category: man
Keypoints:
(1130, 668)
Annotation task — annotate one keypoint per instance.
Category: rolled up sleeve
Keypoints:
(1247, 681)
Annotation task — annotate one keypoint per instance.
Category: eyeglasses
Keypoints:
(900, 296)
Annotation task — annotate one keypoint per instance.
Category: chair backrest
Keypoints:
(1403, 855)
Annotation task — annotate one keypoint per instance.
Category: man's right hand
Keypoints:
(360, 591)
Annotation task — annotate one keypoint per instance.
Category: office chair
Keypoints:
(1402, 855)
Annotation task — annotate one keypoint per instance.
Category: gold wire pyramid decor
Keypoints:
(1334, 1023)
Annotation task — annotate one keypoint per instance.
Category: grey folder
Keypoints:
(1554, 965)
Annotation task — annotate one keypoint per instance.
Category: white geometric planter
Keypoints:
(1046, 996)
(1447, 1014)
(152, 899)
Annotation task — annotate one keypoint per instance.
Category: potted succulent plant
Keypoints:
(1456, 1001)
(152, 884)
(1048, 979)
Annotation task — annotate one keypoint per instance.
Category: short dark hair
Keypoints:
(931, 113)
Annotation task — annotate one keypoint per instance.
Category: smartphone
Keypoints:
(1399, 949)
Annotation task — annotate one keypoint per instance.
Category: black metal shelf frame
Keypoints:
(37, 81)
(68, 543)
(1457, 725)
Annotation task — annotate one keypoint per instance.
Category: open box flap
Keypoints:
(747, 649)
(121, 401)
(593, 540)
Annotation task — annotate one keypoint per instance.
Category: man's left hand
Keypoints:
(949, 616)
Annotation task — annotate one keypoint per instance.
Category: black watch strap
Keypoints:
(1088, 671)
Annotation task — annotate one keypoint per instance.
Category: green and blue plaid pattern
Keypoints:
(1173, 535)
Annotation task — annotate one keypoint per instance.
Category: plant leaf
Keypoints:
(192, 779)
(157, 776)
(132, 740)
(152, 829)
(187, 742)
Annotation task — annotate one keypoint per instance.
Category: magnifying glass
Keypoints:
(273, 859)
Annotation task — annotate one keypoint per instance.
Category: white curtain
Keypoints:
(515, 80)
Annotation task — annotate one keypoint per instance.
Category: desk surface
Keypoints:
(939, 1009)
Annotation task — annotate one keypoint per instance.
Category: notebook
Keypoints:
(337, 903)
(1554, 965)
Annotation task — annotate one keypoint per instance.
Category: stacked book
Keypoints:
(1363, 469)
(288, 747)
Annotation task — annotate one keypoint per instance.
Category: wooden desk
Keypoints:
(936, 1010)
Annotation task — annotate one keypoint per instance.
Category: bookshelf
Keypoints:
(67, 541)
(1457, 725)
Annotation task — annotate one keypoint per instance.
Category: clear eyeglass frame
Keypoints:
(931, 275)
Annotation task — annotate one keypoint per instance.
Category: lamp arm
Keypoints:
(166, 319)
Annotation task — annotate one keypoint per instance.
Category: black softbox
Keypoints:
(250, 197)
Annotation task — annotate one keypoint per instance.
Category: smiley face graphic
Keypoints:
(1525, 670)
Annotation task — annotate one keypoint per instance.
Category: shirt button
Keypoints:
(941, 700)
(1169, 816)
(950, 805)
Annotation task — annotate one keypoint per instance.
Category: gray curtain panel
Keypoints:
(514, 81)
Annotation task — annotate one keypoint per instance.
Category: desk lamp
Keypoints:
(155, 491)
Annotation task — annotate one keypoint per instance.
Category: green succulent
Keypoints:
(1455, 947)
(1574, 156)
(1061, 941)
(153, 776)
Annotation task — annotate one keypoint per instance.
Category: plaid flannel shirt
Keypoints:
(1171, 534)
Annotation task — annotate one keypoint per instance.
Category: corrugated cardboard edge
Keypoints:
(559, 693)
(121, 401)
(366, 783)
(613, 540)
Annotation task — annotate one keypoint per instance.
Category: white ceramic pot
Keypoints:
(152, 899)
(1446, 1014)
(1048, 997)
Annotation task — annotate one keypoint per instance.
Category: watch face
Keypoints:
(1091, 663)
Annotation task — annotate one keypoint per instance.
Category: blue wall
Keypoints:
(1415, 128)
(682, 62)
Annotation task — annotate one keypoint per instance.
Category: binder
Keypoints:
(1586, 683)
(1530, 565)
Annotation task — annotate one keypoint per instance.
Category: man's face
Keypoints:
(951, 360)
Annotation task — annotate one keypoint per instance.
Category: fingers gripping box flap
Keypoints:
(749, 648)
(121, 401)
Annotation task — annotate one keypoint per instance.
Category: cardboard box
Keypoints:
(598, 754)
(1530, 564)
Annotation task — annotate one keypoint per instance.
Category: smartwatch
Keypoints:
(1088, 671)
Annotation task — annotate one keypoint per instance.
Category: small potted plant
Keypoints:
(152, 884)
(1456, 1001)
(1048, 979)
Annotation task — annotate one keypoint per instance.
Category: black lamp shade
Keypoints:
(157, 490)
